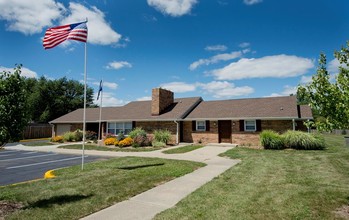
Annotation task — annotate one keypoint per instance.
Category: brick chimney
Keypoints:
(161, 99)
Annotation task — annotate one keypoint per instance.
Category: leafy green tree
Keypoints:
(13, 106)
(329, 100)
(50, 99)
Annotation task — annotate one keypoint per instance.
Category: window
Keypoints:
(250, 125)
(201, 125)
(117, 127)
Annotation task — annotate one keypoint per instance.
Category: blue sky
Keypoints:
(216, 49)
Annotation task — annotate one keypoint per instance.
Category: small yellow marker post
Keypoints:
(49, 175)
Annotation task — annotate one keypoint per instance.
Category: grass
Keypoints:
(181, 150)
(270, 184)
(102, 148)
(37, 144)
(75, 193)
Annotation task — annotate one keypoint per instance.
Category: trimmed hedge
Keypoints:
(291, 139)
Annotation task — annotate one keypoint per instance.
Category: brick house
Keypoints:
(193, 119)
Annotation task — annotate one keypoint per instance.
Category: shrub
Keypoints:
(110, 135)
(271, 140)
(126, 142)
(110, 141)
(137, 132)
(91, 135)
(303, 141)
(158, 144)
(69, 136)
(78, 134)
(116, 142)
(139, 141)
(162, 136)
(121, 136)
(58, 139)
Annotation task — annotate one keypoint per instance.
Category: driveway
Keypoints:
(19, 166)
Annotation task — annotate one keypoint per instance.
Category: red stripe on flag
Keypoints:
(56, 35)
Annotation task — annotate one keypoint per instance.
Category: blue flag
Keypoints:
(100, 89)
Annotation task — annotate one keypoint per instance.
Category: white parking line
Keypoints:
(23, 158)
(5, 153)
(30, 152)
(52, 161)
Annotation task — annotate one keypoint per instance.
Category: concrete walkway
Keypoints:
(147, 204)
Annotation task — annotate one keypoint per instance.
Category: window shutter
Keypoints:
(207, 125)
(242, 125)
(193, 125)
(133, 124)
(258, 125)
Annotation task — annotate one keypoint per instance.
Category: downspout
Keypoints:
(293, 124)
(177, 132)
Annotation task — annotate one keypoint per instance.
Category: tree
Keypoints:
(13, 106)
(329, 100)
(50, 99)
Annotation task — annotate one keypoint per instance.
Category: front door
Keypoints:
(224, 131)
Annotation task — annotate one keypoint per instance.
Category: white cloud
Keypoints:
(278, 66)
(218, 89)
(252, 2)
(144, 98)
(118, 65)
(288, 90)
(215, 59)
(306, 79)
(333, 66)
(29, 17)
(173, 8)
(216, 48)
(224, 89)
(99, 30)
(110, 100)
(244, 45)
(24, 72)
(179, 87)
(109, 85)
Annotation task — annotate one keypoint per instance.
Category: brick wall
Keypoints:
(161, 99)
(150, 126)
(238, 137)
(74, 127)
(246, 138)
(203, 137)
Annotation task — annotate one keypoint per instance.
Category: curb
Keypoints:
(49, 174)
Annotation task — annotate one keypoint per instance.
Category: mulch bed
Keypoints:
(7, 207)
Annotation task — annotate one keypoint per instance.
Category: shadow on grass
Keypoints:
(57, 200)
(140, 166)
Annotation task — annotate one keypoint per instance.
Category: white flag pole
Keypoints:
(100, 113)
(84, 117)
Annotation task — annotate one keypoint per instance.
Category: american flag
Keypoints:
(57, 35)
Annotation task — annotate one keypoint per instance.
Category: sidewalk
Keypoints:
(147, 204)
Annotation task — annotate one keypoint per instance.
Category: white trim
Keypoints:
(197, 125)
(255, 125)
(118, 122)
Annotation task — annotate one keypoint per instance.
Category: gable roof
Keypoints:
(252, 108)
(133, 111)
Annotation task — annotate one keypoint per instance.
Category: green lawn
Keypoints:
(269, 184)
(75, 193)
(181, 150)
(112, 148)
(37, 144)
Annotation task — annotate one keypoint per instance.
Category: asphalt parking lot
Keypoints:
(19, 166)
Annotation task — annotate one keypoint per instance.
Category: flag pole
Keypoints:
(84, 118)
(100, 113)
